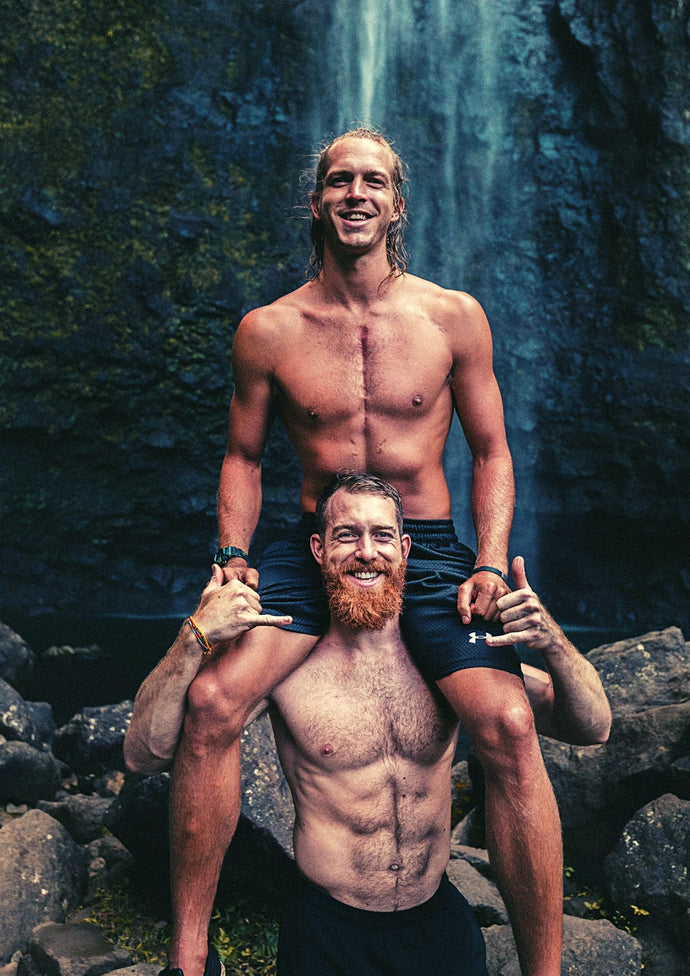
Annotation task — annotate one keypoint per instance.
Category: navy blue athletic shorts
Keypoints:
(320, 936)
(290, 583)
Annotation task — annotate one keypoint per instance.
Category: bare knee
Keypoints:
(506, 738)
(212, 714)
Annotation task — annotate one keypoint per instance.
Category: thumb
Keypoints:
(217, 577)
(519, 575)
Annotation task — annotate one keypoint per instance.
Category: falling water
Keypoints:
(432, 77)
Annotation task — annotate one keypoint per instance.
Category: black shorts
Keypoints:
(320, 936)
(290, 583)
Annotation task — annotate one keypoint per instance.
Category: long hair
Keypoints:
(356, 483)
(395, 248)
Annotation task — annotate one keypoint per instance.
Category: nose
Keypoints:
(356, 188)
(366, 550)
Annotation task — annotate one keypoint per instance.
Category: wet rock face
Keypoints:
(161, 208)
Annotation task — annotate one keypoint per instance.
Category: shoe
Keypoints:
(213, 967)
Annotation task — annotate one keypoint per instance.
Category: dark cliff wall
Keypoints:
(148, 182)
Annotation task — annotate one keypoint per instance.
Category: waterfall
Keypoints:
(433, 77)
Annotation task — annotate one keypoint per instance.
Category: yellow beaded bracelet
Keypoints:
(200, 636)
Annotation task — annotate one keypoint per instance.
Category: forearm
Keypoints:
(580, 711)
(493, 503)
(239, 502)
(159, 707)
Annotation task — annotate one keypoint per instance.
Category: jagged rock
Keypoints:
(43, 720)
(139, 819)
(75, 949)
(648, 870)
(27, 775)
(16, 658)
(108, 860)
(83, 816)
(138, 969)
(266, 799)
(91, 742)
(42, 877)
(17, 719)
(643, 672)
(469, 832)
(590, 948)
(482, 894)
(476, 856)
(599, 788)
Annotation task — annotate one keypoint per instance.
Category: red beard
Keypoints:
(364, 609)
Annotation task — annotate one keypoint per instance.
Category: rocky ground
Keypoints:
(71, 819)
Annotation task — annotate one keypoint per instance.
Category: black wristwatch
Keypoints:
(226, 553)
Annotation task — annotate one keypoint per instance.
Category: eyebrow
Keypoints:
(348, 172)
(351, 527)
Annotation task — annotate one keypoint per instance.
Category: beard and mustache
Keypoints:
(361, 608)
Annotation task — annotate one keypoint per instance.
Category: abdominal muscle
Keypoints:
(382, 846)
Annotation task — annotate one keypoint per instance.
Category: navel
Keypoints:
(394, 866)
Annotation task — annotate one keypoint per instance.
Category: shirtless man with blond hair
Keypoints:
(365, 364)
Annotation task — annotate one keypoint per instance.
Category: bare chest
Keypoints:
(350, 721)
(350, 370)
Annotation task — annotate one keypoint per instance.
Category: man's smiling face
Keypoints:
(357, 203)
(363, 559)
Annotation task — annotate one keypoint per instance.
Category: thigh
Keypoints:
(434, 633)
(290, 582)
(239, 677)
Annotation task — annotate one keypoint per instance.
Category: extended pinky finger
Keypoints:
(503, 640)
(266, 620)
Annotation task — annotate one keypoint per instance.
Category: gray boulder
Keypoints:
(590, 948)
(83, 816)
(42, 877)
(27, 775)
(17, 718)
(16, 658)
(91, 742)
(77, 949)
(482, 894)
(647, 873)
(599, 788)
(266, 799)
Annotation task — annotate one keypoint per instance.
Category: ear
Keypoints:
(316, 546)
(398, 210)
(405, 545)
(315, 206)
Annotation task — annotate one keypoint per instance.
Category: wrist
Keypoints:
(199, 636)
(485, 568)
(225, 553)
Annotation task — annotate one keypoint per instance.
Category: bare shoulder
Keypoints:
(267, 329)
(456, 313)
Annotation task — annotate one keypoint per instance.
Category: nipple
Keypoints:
(312, 413)
(417, 400)
(327, 749)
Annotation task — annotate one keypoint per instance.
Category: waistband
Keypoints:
(321, 901)
(421, 530)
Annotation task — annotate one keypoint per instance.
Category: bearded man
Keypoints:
(366, 745)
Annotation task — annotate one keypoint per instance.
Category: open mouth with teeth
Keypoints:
(365, 576)
(355, 216)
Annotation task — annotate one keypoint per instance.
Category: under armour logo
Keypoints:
(474, 637)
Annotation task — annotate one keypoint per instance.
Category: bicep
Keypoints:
(252, 404)
(476, 394)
